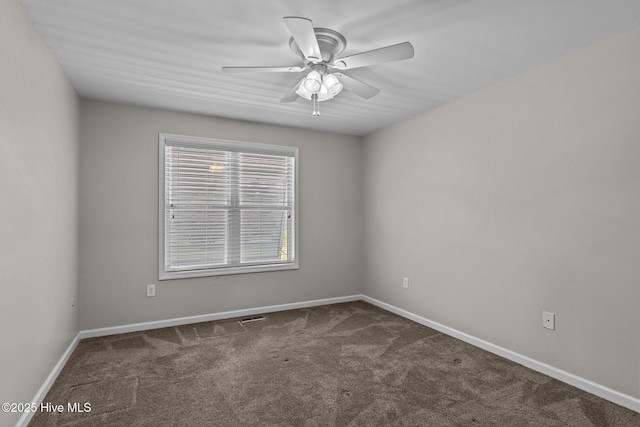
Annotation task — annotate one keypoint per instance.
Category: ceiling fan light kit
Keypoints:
(318, 49)
(317, 87)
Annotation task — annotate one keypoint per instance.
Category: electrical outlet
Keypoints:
(405, 282)
(151, 290)
(549, 320)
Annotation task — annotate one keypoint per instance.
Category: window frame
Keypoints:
(234, 146)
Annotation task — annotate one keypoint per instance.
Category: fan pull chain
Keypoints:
(316, 104)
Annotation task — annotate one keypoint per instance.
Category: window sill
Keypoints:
(163, 275)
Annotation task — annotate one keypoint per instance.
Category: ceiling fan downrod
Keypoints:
(316, 105)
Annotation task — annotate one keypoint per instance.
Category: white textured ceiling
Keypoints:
(169, 53)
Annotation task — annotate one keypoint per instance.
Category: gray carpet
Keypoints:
(349, 364)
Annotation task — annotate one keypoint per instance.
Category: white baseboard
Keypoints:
(44, 389)
(574, 380)
(566, 377)
(135, 327)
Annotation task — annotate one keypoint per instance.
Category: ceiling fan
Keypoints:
(319, 49)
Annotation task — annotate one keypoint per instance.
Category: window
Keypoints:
(226, 207)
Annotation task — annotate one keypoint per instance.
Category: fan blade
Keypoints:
(292, 95)
(303, 33)
(263, 69)
(356, 86)
(394, 52)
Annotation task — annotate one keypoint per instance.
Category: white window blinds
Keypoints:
(226, 207)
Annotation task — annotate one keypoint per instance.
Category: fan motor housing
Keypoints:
(330, 42)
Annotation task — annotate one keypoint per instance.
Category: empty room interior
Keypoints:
(331, 213)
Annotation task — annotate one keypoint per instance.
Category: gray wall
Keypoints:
(39, 200)
(520, 198)
(119, 219)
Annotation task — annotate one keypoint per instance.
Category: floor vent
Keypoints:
(252, 319)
